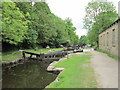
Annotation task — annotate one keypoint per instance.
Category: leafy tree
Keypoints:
(99, 15)
(94, 8)
(104, 20)
(71, 32)
(61, 34)
(14, 24)
(32, 35)
(51, 29)
(83, 40)
(28, 25)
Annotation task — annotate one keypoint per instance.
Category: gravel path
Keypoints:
(106, 70)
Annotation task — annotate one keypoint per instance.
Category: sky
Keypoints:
(74, 9)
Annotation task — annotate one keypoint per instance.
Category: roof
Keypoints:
(110, 25)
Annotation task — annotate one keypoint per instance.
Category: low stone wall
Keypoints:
(15, 62)
(11, 62)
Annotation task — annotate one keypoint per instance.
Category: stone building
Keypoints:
(109, 39)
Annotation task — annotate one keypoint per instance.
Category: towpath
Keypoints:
(106, 70)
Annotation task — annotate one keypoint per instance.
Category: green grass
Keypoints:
(13, 55)
(110, 55)
(78, 73)
(43, 50)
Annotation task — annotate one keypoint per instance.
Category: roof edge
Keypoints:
(110, 25)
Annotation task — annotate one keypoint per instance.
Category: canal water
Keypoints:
(30, 74)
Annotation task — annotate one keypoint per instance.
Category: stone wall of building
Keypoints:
(119, 39)
(108, 39)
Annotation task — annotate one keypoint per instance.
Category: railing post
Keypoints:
(23, 53)
(30, 55)
(41, 56)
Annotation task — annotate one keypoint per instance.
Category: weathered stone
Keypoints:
(50, 68)
(109, 39)
(53, 63)
(58, 69)
(56, 80)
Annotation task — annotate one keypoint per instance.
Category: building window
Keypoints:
(104, 39)
(107, 38)
(113, 37)
(101, 40)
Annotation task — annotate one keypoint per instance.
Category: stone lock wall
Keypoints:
(108, 39)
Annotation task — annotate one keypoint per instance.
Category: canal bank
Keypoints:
(28, 73)
(78, 72)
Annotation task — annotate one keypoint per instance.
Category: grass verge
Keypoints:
(43, 50)
(78, 73)
(110, 55)
(13, 55)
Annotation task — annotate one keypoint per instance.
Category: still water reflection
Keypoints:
(30, 74)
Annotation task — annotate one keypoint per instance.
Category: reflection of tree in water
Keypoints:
(31, 74)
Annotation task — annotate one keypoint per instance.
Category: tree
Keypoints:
(94, 8)
(99, 15)
(73, 38)
(83, 40)
(32, 35)
(104, 20)
(61, 33)
(14, 24)
(28, 25)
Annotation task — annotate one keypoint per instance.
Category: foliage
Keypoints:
(94, 8)
(27, 25)
(32, 35)
(61, 33)
(104, 20)
(14, 24)
(84, 40)
(99, 15)
(71, 32)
